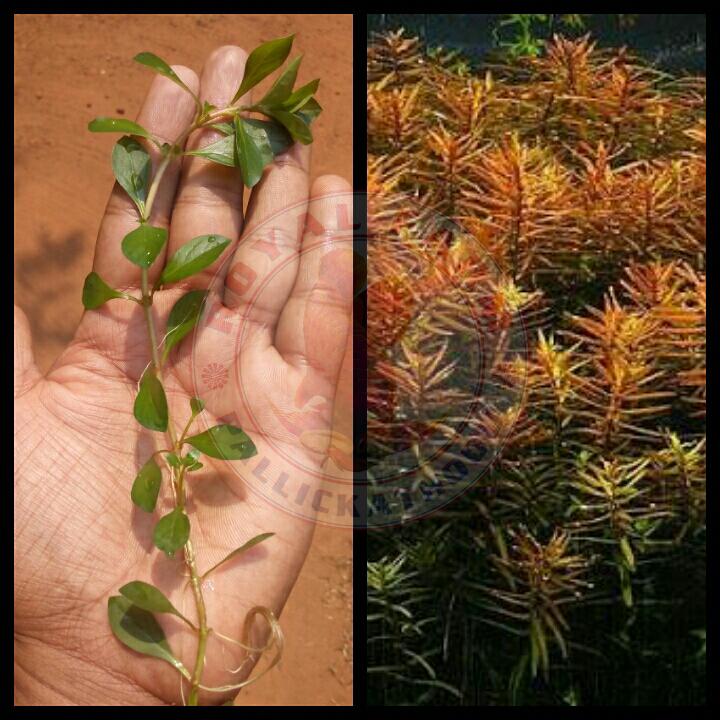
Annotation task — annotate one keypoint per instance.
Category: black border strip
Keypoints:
(359, 358)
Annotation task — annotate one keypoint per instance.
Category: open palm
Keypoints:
(265, 356)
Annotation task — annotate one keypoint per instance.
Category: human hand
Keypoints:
(283, 301)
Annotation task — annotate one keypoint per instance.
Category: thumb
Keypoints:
(26, 373)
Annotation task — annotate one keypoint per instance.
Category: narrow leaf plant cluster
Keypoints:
(569, 274)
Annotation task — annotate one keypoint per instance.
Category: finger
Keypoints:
(262, 272)
(313, 327)
(210, 196)
(166, 112)
(26, 373)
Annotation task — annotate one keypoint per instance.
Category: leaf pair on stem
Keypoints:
(249, 144)
(134, 624)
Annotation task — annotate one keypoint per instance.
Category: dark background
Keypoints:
(673, 42)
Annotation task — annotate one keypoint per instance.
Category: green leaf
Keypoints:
(191, 462)
(146, 487)
(301, 96)
(151, 409)
(97, 292)
(538, 647)
(260, 139)
(222, 151)
(282, 87)
(225, 442)
(194, 256)
(627, 553)
(173, 459)
(238, 551)
(264, 132)
(172, 532)
(223, 127)
(160, 66)
(131, 166)
(277, 136)
(183, 318)
(542, 642)
(309, 111)
(253, 153)
(263, 60)
(140, 631)
(626, 586)
(121, 125)
(142, 245)
(196, 405)
(191, 458)
(294, 124)
(148, 597)
(515, 685)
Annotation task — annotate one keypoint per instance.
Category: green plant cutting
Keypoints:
(249, 144)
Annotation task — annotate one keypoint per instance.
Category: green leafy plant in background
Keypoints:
(249, 144)
(573, 571)
(524, 38)
(526, 35)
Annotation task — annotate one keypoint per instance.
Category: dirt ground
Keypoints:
(71, 68)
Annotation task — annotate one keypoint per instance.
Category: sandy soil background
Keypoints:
(71, 68)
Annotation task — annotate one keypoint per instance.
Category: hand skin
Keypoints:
(78, 537)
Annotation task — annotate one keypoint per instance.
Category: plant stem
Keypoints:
(156, 183)
(185, 431)
(149, 321)
(146, 303)
(178, 474)
(179, 495)
(171, 153)
(203, 630)
(196, 583)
